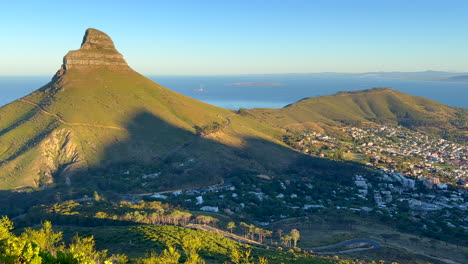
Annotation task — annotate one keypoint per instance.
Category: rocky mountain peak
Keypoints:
(97, 51)
(96, 39)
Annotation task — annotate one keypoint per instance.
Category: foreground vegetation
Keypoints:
(46, 246)
(167, 245)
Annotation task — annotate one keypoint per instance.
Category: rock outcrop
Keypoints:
(97, 50)
(60, 155)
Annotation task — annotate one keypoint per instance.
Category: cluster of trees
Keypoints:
(337, 155)
(172, 218)
(209, 129)
(206, 220)
(230, 226)
(104, 212)
(243, 111)
(65, 208)
(46, 246)
(293, 236)
(145, 205)
(254, 233)
(293, 137)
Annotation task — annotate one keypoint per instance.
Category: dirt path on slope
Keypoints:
(228, 119)
(65, 122)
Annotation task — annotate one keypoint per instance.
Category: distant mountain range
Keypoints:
(98, 119)
(416, 76)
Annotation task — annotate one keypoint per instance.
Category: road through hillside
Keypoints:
(373, 245)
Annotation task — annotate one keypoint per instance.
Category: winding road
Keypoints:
(373, 245)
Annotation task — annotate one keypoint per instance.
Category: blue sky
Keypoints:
(241, 36)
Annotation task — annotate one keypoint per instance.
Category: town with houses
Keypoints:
(433, 160)
(414, 177)
(386, 193)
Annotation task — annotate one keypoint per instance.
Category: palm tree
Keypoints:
(231, 226)
(295, 236)
(286, 239)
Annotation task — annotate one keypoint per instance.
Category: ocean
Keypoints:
(266, 91)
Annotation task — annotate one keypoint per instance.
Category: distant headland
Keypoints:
(256, 84)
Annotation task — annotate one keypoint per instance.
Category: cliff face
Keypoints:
(97, 50)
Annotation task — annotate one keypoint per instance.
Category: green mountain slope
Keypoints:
(97, 112)
(378, 105)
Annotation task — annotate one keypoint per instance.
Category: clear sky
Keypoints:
(241, 36)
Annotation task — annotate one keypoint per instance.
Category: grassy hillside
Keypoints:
(379, 105)
(97, 119)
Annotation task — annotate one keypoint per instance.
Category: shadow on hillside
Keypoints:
(182, 160)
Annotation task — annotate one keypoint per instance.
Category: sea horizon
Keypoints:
(265, 90)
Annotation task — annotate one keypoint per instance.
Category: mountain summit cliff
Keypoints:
(97, 50)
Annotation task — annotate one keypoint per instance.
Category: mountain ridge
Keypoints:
(379, 105)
